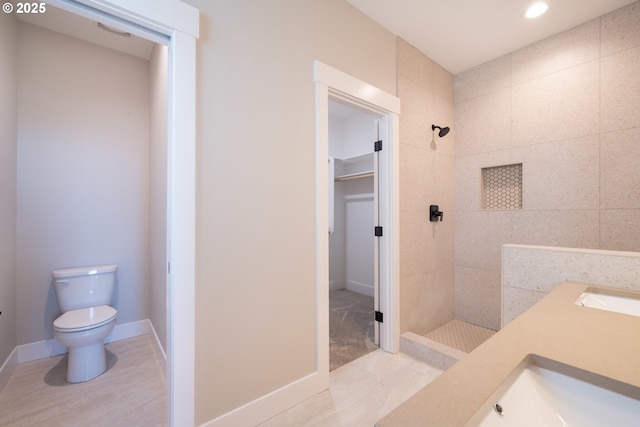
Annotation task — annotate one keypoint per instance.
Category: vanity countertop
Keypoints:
(598, 341)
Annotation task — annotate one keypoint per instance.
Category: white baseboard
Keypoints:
(337, 284)
(159, 351)
(270, 405)
(360, 288)
(49, 348)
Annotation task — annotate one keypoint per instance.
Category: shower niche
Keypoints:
(502, 187)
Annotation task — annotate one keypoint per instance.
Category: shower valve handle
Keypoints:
(435, 214)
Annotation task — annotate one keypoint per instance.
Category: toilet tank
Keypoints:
(84, 287)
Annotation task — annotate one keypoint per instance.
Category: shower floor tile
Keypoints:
(460, 335)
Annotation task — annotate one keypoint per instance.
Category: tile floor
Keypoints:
(132, 392)
(351, 327)
(361, 392)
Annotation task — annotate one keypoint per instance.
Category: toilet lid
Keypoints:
(85, 318)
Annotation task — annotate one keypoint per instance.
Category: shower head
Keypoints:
(443, 131)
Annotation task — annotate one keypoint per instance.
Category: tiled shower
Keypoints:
(544, 150)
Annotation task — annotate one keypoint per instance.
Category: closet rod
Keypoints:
(353, 176)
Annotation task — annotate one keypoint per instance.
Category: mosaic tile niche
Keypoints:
(502, 187)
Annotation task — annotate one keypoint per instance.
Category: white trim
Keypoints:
(175, 23)
(360, 288)
(253, 413)
(337, 84)
(390, 244)
(322, 235)
(158, 350)
(355, 89)
(181, 232)
(51, 347)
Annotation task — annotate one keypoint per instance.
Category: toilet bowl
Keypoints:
(84, 295)
(82, 331)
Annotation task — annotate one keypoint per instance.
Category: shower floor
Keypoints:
(461, 335)
(444, 346)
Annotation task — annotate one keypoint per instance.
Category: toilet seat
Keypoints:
(85, 318)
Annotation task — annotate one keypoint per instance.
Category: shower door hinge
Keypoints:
(377, 146)
(168, 268)
(378, 316)
(377, 231)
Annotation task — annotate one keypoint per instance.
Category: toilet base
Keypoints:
(86, 362)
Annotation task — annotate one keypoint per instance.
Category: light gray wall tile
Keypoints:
(558, 106)
(443, 83)
(417, 166)
(620, 29)
(567, 49)
(478, 296)
(417, 113)
(516, 301)
(620, 169)
(561, 174)
(568, 228)
(620, 230)
(415, 66)
(483, 123)
(479, 237)
(620, 86)
(483, 79)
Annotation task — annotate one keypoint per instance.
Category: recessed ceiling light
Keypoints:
(536, 9)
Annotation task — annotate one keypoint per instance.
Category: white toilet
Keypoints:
(84, 295)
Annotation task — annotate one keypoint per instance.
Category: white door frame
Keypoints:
(175, 24)
(335, 84)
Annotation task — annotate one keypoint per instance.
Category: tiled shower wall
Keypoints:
(426, 177)
(568, 109)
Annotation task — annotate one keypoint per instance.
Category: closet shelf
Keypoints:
(355, 167)
(364, 174)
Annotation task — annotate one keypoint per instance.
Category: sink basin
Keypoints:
(544, 392)
(609, 300)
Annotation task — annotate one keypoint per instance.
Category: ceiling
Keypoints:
(457, 34)
(460, 34)
(76, 26)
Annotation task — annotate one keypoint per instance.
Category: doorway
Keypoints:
(333, 85)
(176, 25)
(353, 215)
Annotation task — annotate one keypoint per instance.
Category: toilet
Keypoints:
(84, 296)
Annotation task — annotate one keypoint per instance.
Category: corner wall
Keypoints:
(426, 178)
(8, 176)
(255, 266)
(158, 138)
(568, 109)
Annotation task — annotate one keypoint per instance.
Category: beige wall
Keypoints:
(255, 264)
(568, 109)
(83, 173)
(426, 177)
(158, 80)
(8, 154)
